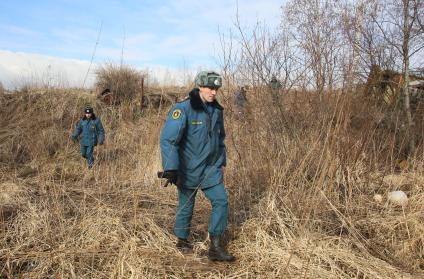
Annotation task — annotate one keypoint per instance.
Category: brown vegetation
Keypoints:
(301, 178)
(118, 83)
(2, 91)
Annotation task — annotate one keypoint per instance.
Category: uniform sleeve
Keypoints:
(170, 138)
(77, 130)
(222, 147)
(100, 131)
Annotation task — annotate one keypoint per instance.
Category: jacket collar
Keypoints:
(196, 102)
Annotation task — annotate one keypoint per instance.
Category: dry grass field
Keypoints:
(301, 178)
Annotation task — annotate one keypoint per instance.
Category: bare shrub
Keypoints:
(122, 81)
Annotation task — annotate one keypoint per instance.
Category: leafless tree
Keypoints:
(228, 56)
(252, 56)
(363, 35)
(314, 25)
(264, 54)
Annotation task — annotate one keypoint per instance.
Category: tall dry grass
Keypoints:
(301, 177)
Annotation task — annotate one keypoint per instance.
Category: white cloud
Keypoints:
(18, 69)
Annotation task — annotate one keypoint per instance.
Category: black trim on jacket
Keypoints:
(196, 102)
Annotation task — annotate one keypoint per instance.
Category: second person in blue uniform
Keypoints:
(91, 130)
(194, 156)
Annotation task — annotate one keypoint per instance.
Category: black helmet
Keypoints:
(88, 109)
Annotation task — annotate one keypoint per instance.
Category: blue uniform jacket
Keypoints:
(192, 142)
(91, 131)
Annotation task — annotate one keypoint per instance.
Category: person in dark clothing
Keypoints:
(240, 101)
(275, 85)
(91, 130)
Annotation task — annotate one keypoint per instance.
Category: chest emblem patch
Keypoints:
(176, 114)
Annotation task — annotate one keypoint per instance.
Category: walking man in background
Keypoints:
(91, 130)
(240, 101)
(275, 85)
(194, 157)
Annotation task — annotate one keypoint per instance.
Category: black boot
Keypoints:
(184, 245)
(217, 252)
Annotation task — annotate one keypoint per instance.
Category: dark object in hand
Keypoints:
(171, 176)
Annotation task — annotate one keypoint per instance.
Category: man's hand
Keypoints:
(223, 170)
(170, 175)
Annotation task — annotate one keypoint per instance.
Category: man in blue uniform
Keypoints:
(194, 157)
(91, 130)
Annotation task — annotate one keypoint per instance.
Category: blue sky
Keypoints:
(172, 34)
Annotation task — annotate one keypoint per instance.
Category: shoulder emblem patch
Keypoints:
(176, 114)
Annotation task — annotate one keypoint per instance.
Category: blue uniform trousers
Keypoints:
(87, 153)
(218, 218)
